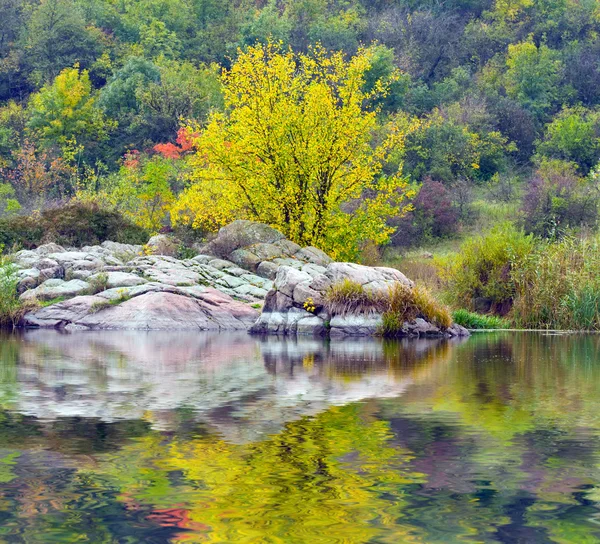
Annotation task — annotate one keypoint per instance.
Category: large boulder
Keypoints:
(240, 234)
(296, 304)
(55, 288)
(163, 244)
(261, 249)
(150, 310)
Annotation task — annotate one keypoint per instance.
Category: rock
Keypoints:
(64, 313)
(313, 255)
(420, 327)
(354, 325)
(153, 310)
(162, 244)
(245, 265)
(311, 325)
(458, 330)
(48, 249)
(119, 279)
(45, 263)
(266, 252)
(241, 234)
(267, 269)
(245, 258)
(55, 288)
(52, 273)
(288, 278)
(285, 307)
(121, 249)
(374, 278)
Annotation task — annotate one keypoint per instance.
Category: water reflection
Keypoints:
(131, 437)
(243, 386)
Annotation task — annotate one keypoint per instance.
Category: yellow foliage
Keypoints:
(295, 150)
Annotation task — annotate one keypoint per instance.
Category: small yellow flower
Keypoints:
(309, 305)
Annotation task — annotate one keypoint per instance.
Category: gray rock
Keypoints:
(155, 310)
(45, 263)
(47, 249)
(365, 275)
(252, 290)
(288, 278)
(245, 258)
(53, 272)
(355, 325)
(220, 264)
(266, 252)
(293, 288)
(162, 244)
(313, 255)
(241, 234)
(120, 279)
(312, 325)
(458, 330)
(121, 249)
(55, 288)
(420, 327)
(62, 314)
(267, 269)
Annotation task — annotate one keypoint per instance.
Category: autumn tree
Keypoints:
(64, 113)
(295, 150)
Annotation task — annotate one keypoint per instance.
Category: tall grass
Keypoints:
(559, 286)
(349, 297)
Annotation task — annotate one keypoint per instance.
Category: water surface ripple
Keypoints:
(119, 437)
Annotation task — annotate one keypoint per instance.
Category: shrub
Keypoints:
(573, 135)
(98, 283)
(70, 225)
(406, 304)
(472, 320)
(483, 268)
(557, 199)
(11, 308)
(434, 215)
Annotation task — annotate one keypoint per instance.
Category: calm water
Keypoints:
(160, 438)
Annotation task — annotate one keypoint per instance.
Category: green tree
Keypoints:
(64, 113)
(573, 136)
(534, 77)
(56, 37)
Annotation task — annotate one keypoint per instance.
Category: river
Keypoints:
(129, 437)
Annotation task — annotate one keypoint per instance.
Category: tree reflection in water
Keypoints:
(152, 437)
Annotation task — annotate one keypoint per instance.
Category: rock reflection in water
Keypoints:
(241, 386)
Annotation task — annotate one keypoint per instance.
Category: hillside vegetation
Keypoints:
(377, 130)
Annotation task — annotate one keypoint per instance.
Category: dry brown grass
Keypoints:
(349, 297)
(400, 304)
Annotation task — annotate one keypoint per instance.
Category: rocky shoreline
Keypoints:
(248, 278)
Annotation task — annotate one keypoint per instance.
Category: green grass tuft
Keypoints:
(472, 320)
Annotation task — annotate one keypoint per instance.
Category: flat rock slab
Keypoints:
(150, 311)
(55, 288)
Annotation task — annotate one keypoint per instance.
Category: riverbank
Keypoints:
(250, 277)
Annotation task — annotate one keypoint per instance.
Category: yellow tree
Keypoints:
(295, 149)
